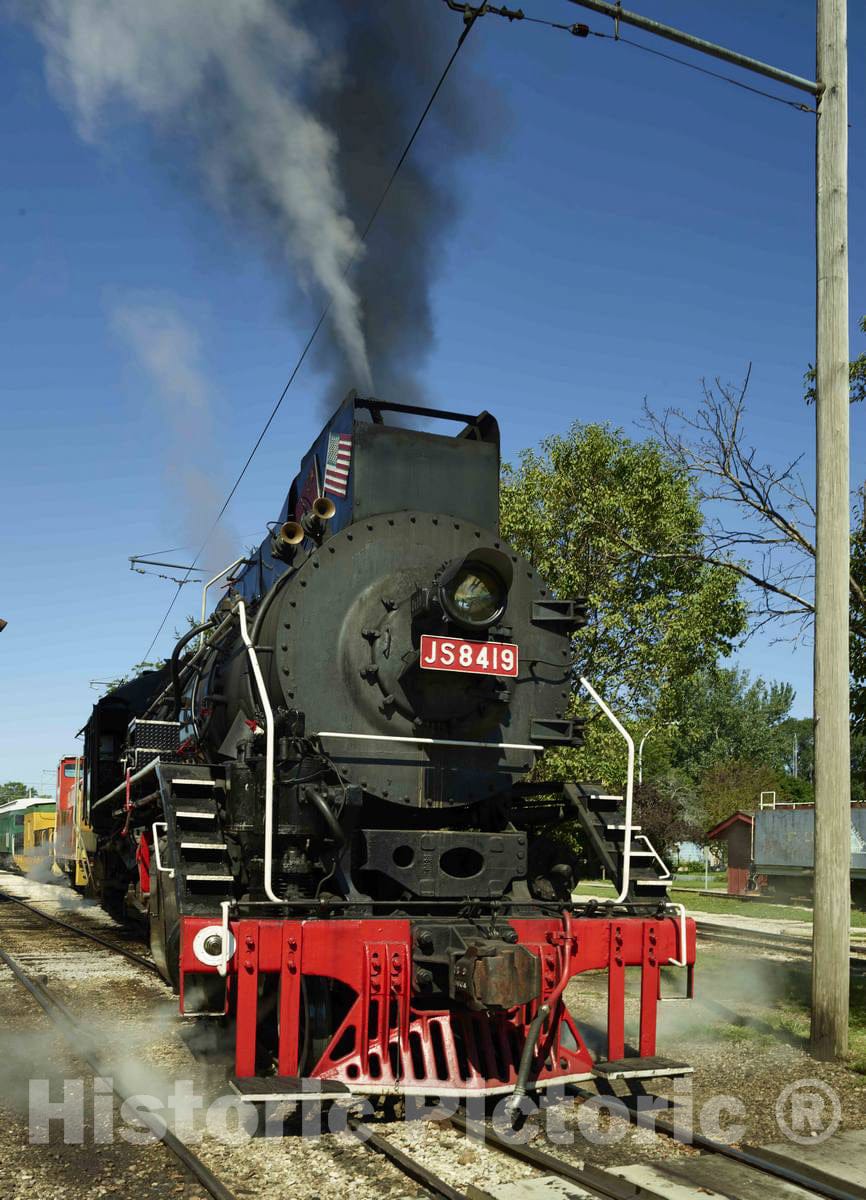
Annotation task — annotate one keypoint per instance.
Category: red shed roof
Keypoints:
(723, 826)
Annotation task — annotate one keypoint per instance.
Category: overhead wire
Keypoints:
(684, 62)
(582, 30)
(470, 20)
(470, 14)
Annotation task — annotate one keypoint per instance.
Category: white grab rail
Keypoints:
(629, 788)
(269, 752)
(218, 575)
(681, 912)
(168, 870)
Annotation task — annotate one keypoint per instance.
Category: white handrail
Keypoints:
(223, 964)
(629, 788)
(681, 961)
(168, 870)
(218, 575)
(121, 787)
(428, 741)
(666, 876)
(269, 752)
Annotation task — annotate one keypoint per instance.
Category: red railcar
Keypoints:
(72, 833)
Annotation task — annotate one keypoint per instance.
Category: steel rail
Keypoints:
(767, 1162)
(55, 1007)
(409, 1166)
(84, 933)
(80, 1043)
(597, 1181)
(769, 940)
(612, 1187)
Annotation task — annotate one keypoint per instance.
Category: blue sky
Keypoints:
(636, 227)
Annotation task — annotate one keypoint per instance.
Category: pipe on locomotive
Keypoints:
(175, 661)
(521, 1083)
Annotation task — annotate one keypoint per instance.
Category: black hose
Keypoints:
(175, 662)
(512, 1105)
(327, 814)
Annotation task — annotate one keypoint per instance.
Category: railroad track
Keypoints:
(108, 943)
(81, 1043)
(799, 947)
(759, 1164)
(594, 1181)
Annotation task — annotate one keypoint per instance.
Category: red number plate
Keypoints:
(456, 654)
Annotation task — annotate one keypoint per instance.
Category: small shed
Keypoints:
(736, 832)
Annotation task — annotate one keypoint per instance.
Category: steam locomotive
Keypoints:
(322, 800)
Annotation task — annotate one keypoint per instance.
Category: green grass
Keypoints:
(790, 1015)
(713, 880)
(769, 1003)
(739, 908)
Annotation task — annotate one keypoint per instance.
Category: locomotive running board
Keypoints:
(641, 1068)
(276, 1088)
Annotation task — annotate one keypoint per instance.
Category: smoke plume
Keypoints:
(229, 77)
(391, 55)
(295, 112)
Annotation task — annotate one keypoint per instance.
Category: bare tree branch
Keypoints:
(777, 543)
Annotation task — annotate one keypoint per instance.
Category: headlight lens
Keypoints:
(475, 595)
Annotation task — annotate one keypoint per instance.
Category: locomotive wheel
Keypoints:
(317, 1027)
(317, 1023)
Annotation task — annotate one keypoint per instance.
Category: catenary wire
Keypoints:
(470, 21)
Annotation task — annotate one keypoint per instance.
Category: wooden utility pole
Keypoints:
(832, 915)
(832, 771)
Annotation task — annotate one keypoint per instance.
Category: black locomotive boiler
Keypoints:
(322, 800)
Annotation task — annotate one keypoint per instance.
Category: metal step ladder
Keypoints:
(601, 816)
(196, 856)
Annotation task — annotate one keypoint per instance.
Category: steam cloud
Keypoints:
(167, 348)
(296, 111)
(230, 77)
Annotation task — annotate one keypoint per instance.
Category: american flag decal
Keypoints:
(337, 466)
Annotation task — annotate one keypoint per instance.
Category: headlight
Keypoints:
(474, 596)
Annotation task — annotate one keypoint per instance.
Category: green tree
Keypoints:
(663, 815)
(732, 785)
(724, 715)
(858, 767)
(589, 509)
(13, 790)
(733, 739)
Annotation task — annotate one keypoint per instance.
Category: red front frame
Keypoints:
(389, 1041)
